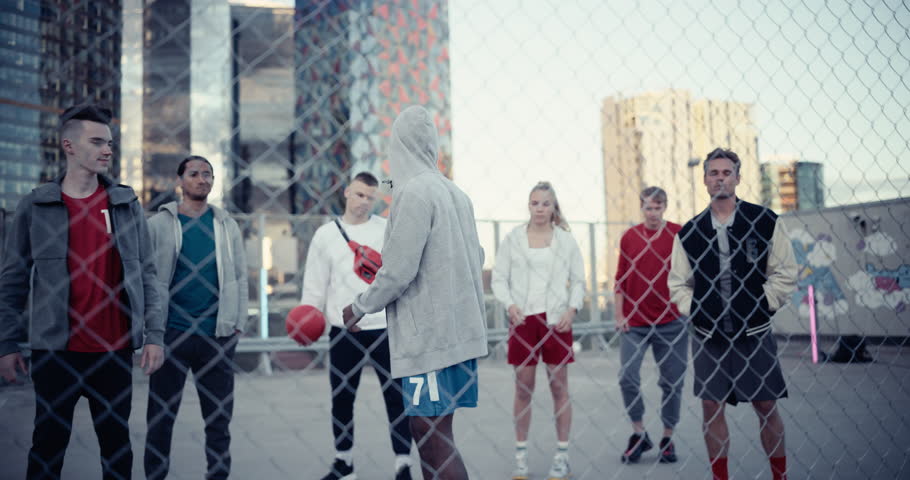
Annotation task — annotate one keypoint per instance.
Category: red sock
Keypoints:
(779, 467)
(719, 468)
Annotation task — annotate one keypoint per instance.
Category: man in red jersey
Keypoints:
(81, 247)
(645, 316)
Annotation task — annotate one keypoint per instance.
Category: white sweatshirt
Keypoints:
(329, 281)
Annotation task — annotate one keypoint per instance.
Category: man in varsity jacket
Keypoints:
(732, 268)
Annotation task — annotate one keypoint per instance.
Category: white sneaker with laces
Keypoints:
(560, 468)
(521, 465)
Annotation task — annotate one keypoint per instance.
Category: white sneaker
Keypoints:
(521, 466)
(560, 468)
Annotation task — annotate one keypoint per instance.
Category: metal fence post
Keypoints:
(499, 320)
(265, 362)
(595, 293)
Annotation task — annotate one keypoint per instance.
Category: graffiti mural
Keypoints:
(857, 259)
(879, 287)
(816, 256)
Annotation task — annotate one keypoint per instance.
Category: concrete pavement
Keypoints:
(843, 422)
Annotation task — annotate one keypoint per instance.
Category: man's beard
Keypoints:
(722, 195)
(197, 198)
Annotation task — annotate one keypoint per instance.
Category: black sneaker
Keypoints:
(341, 471)
(404, 473)
(667, 451)
(638, 444)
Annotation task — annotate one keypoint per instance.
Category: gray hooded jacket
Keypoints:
(230, 259)
(35, 263)
(430, 282)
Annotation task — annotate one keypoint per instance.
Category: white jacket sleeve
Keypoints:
(401, 253)
(576, 276)
(782, 269)
(316, 274)
(680, 280)
(500, 281)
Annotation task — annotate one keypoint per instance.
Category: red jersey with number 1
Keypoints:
(98, 322)
(641, 276)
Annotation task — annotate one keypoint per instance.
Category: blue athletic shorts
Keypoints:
(440, 392)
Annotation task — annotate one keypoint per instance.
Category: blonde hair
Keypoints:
(557, 218)
(654, 194)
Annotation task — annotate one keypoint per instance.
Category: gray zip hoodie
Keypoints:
(230, 258)
(430, 282)
(34, 265)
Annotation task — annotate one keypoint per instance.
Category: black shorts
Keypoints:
(744, 370)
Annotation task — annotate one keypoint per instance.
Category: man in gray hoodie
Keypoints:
(202, 278)
(431, 287)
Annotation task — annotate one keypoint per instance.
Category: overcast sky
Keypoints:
(528, 79)
(529, 76)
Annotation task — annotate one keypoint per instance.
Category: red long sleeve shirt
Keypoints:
(641, 277)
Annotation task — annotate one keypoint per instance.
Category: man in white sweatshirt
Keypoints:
(329, 283)
(431, 287)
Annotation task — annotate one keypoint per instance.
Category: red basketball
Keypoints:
(305, 324)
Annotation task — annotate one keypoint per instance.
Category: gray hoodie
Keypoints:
(430, 282)
(230, 258)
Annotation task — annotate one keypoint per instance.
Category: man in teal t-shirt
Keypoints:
(202, 275)
(193, 305)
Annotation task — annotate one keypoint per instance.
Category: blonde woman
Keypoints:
(539, 278)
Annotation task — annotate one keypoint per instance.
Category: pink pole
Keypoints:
(812, 327)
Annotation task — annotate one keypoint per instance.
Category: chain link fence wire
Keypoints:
(795, 305)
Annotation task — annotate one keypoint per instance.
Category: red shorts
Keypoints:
(534, 338)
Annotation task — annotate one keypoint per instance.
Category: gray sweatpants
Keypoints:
(669, 344)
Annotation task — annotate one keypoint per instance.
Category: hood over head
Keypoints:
(414, 145)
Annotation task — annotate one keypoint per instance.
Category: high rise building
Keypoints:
(810, 185)
(359, 63)
(789, 184)
(52, 55)
(661, 138)
(263, 65)
(186, 93)
(286, 103)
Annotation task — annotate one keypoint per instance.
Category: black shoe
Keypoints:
(341, 471)
(667, 451)
(404, 473)
(638, 444)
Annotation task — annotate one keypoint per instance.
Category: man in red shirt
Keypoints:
(645, 317)
(80, 246)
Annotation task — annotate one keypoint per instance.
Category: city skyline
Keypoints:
(826, 85)
(528, 79)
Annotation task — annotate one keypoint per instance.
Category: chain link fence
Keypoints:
(774, 273)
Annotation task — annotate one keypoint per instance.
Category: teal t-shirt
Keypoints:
(194, 288)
